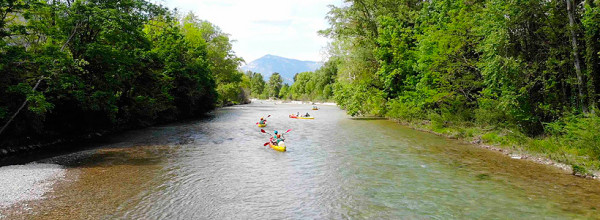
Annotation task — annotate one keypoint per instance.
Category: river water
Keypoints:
(336, 167)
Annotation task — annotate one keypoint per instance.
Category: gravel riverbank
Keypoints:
(21, 183)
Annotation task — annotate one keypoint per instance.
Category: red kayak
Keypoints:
(293, 116)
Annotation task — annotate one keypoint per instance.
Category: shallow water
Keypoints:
(335, 167)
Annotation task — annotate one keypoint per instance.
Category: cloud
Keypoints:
(281, 27)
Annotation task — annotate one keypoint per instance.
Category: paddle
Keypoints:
(263, 131)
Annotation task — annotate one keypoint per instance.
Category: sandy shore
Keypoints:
(21, 183)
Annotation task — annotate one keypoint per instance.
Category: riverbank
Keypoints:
(514, 145)
(21, 151)
(29, 182)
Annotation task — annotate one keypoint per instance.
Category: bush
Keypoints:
(579, 170)
(489, 113)
(403, 109)
(579, 132)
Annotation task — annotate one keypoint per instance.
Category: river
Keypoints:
(336, 167)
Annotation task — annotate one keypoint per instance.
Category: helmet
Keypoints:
(275, 132)
(261, 118)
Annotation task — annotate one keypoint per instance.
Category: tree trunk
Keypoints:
(580, 79)
(20, 108)
(592, 37)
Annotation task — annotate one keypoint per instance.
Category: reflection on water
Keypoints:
(334, 168)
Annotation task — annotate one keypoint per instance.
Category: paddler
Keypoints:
(279, 138)
(274, 138)
(262, 121)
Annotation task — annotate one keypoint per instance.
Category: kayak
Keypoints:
(262, 125)
(280, 147)
(296, 117)
(315, 109)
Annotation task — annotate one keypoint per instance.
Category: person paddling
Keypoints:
(274, 138)
(280, 138)
(262, 121)
(277, 137)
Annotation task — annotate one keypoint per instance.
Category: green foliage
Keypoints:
(109, 64)
(360, 100)
(222, 60)
(578, 132)
(284, 93)
(274, 85)
(506, 66)
(486, 61)
(316, 85)
(405, 109)
(579, 169)
(257, 84)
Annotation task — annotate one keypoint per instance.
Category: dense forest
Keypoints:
(521, 73)
(71, 68)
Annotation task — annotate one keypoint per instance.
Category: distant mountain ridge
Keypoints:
(286, 67)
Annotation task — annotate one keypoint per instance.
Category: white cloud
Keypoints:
(281, 27)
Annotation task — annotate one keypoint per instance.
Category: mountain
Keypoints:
(286, 67)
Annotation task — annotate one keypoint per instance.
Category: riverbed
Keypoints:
(335, 167)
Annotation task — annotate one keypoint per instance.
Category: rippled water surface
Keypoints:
(335, 167)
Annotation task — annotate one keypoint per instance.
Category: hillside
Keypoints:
(287, 67)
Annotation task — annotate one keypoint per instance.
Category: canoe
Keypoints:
(280, 147)
(305, 117)
(262, 125)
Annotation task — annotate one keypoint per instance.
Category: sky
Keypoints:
(286, 28)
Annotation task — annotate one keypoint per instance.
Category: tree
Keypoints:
(275, 84)
(81, 67)
(580, 77)
(220, 55)
(257, 84)
(284, 93)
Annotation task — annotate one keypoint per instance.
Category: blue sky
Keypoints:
(285, 28)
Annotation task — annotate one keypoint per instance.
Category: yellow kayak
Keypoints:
(262, 125)
(305, 117)
(280, 147)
